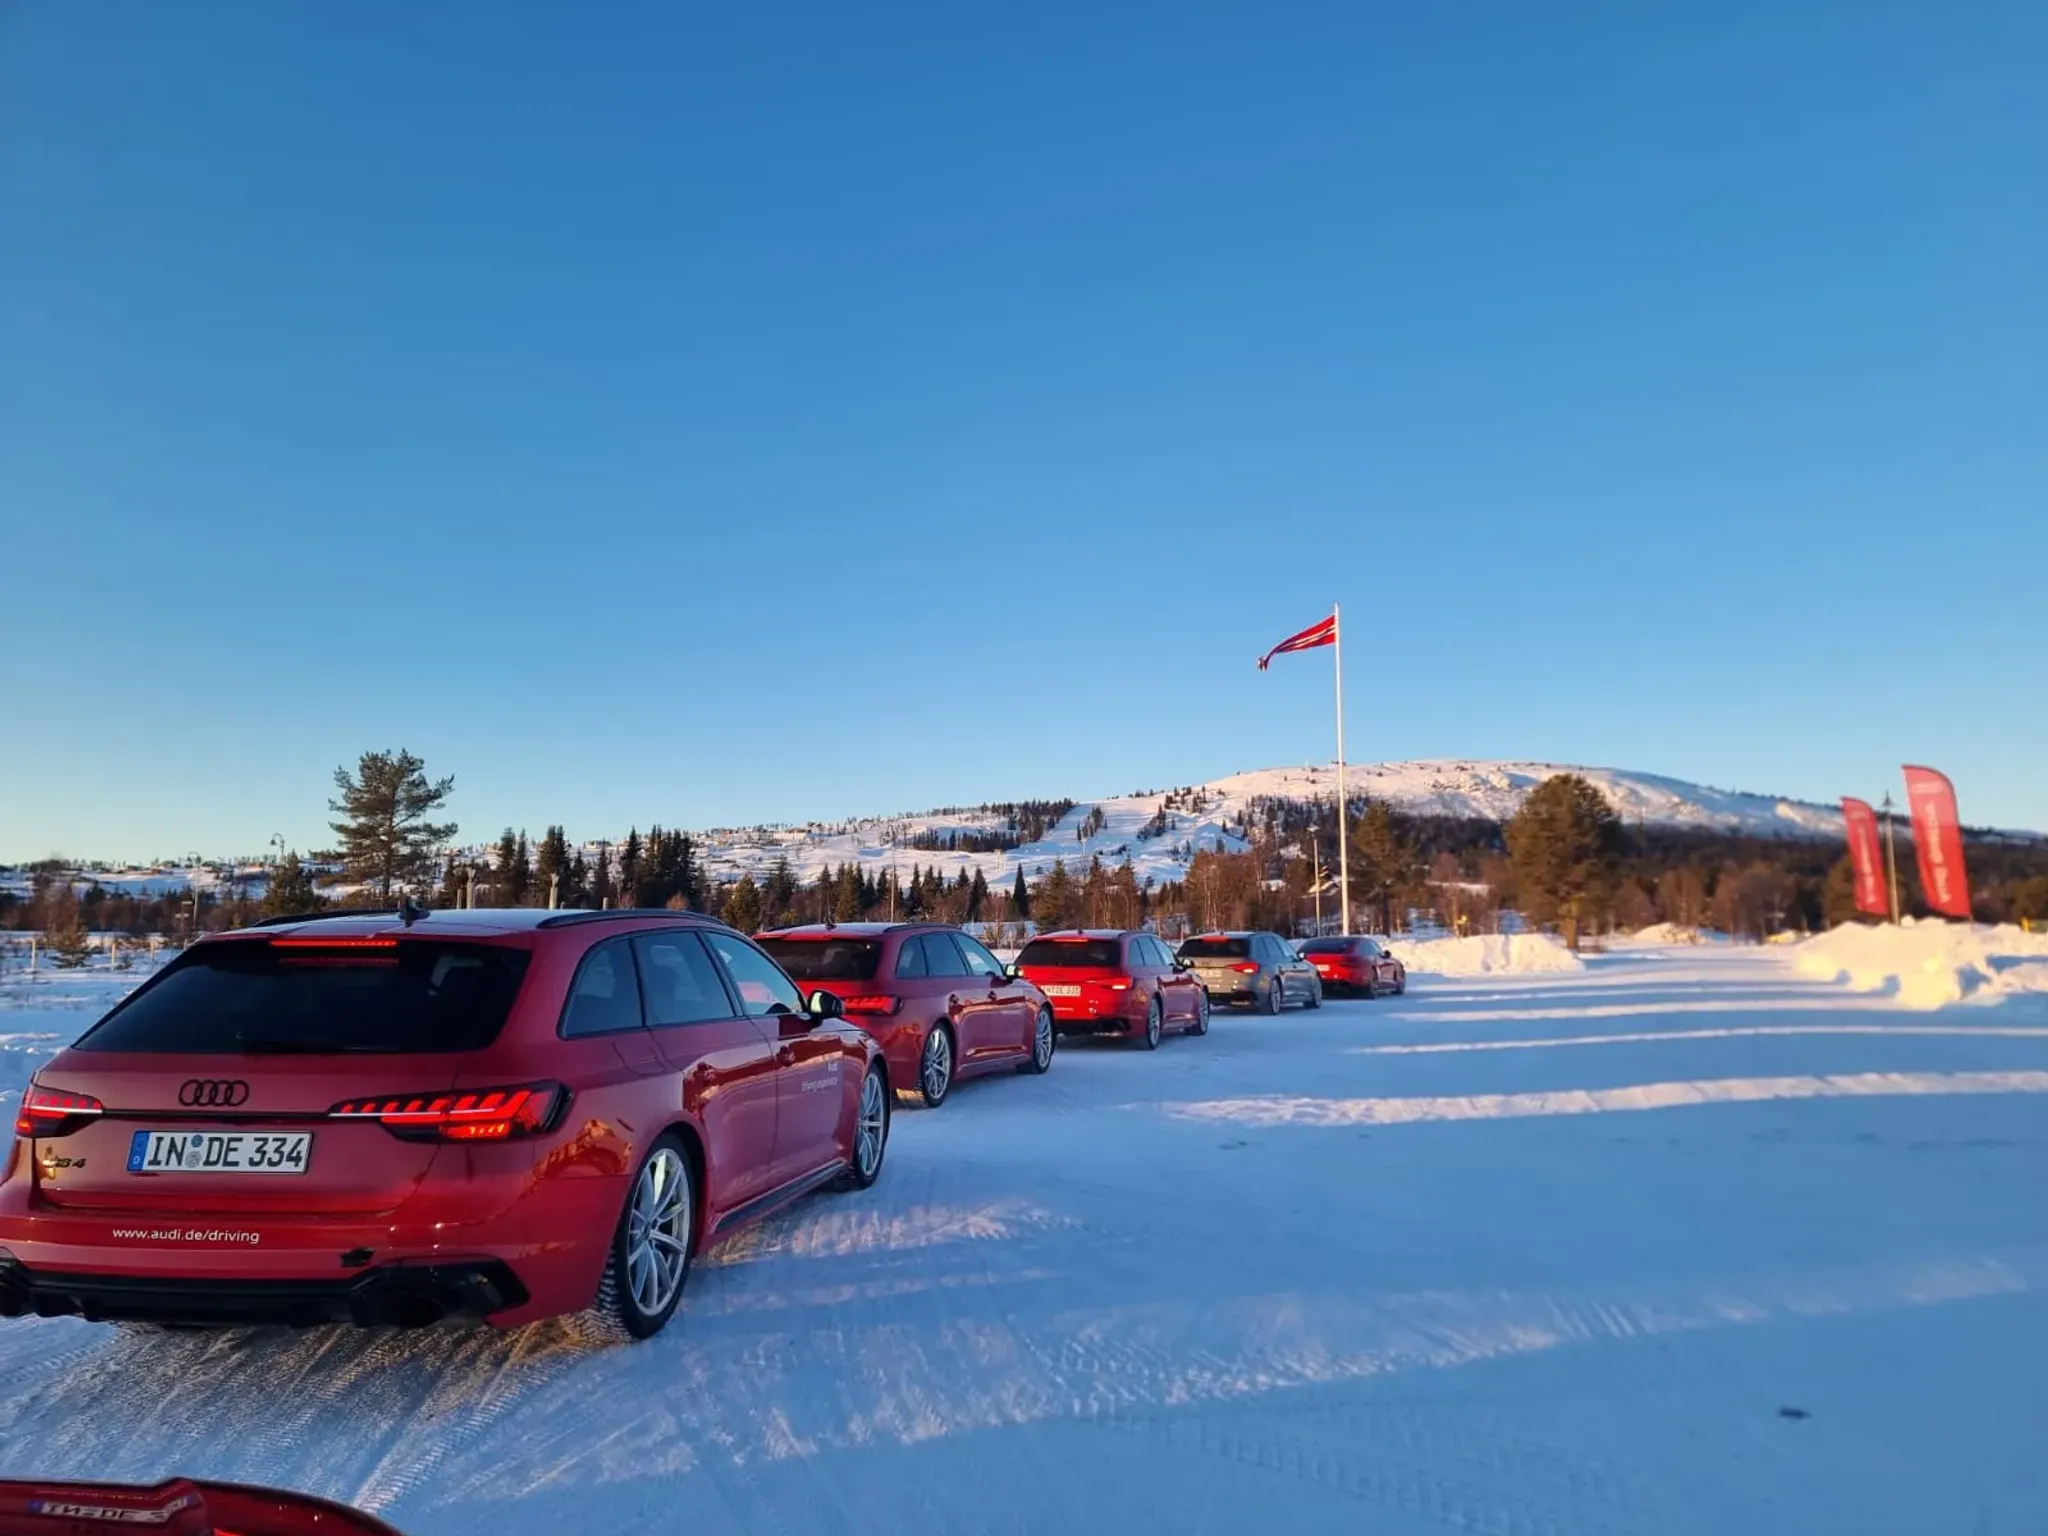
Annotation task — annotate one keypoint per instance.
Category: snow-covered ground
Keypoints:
(1931, 963)
(1483, 954)
(1681, 1243)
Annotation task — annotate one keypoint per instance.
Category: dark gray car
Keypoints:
(1261, 969)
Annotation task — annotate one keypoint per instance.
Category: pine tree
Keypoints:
(629, 869)
(743, 905)
(1566, 845)
(1020, 896)
(778, 896)
(1055, 898)
(386, 839)
(291, 889)
(576, 883)
(846, 905)
(516, 878)
(1385, 864)
(64, 931)
(551, 867)
(601, 878)
(977, 896)
(501, 867)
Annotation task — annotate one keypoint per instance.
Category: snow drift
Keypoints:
(1488, 954)
(1930, 964)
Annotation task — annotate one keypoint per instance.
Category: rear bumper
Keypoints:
(407, 1295)
(1084, 1016)
(539, 1256)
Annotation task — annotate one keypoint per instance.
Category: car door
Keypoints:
(810, 1062)
(977, 1024)
(1177, 985)
(1277, 955)
(724, 1063)
(1012, 1011)
(602, 1019)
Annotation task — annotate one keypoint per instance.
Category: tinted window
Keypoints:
(1331, 946)
(1216, 949)
(605, 997)
(678, 980)
(979, 961)
(910, 959)
(826, 959)
(1138, 949)
(941, 958)
(246, 995)
(761, 986)
(1369, 949)
(1068, 954)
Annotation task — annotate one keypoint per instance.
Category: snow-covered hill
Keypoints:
(1161, 830)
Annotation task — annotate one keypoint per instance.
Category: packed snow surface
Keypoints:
(1682, 1243)
(1931, 963)
(1483, 954)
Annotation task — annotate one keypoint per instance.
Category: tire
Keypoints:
(1401, 986)
(1315, 996)
(1201, 1024)
(1274, 1002)
(1155, 1025)
(1044, 1039)
(937, 1065)
(870, 1119)
(637, 1295)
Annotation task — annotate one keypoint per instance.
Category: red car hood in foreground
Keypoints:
(177, 1508)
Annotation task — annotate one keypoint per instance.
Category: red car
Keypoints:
(394, 1118)
(939, 1004)
(1109, 982)
(1355, 964)
(176, 1508)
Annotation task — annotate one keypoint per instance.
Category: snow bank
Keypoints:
(1487, 954)
(1930, 964)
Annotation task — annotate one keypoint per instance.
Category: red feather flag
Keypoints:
(1322, 633)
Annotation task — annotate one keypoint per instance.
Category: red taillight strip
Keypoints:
(44, 1109)
(477, 1114)
(874, 1004)
(334, 943)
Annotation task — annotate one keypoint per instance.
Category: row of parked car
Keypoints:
(916, 988)
(396, 1117)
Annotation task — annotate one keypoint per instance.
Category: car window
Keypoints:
(1068, 954)
(1370, 950)
(1164, 952)
(910, 959)
(758, 980)
(678, 980)
(1272, 952)
(979, 961)
(941, 956)
(605, 997)
(1216, 949)
(1142, 953)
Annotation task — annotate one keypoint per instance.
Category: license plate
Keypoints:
(1062, 991)
(219, 1152)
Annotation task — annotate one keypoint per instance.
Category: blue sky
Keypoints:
(710, 415)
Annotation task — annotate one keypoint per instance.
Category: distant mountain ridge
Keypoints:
(1159, 830)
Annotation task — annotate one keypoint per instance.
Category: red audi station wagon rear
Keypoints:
(1110, 982)
(941, 1007)
(387, 1118)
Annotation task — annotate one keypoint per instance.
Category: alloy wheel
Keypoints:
(935, 1071)
(658, 1232)
(873, 1131)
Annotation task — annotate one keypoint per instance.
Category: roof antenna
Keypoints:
(410, 911)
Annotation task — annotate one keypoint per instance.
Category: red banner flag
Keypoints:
(1324, 633)
(1864, 857)
(1938, 839)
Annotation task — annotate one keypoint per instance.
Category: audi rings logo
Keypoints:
(213, 1093)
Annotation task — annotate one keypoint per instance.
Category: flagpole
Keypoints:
(1343, 802)
(1891, 858)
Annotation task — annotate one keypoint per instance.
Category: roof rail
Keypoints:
(283, 918)
(565, 919)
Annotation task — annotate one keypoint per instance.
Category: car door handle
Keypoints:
(786, 1055)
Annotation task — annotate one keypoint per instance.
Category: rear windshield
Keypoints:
(1215, 949)
(418, 995)
(1070, 954)
(826, 959)
(1329, 946)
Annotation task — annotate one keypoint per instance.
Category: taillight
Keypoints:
(1116, 986)
(875, 1004)
(1246, 968)
(471, 1114)
(49, 1112)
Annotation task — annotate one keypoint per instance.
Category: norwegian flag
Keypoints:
(1323, 633)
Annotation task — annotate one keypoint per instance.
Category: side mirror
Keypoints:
(824, 1005)
(1011, 971)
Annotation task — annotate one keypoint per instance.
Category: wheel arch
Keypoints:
(693, 1153)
